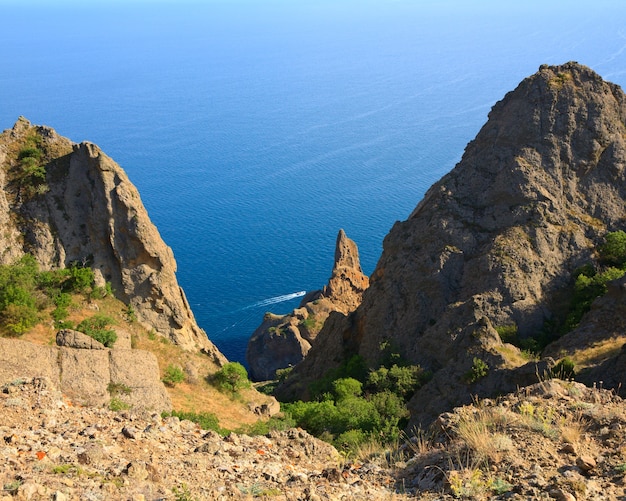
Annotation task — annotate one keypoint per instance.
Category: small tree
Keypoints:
(232, 377)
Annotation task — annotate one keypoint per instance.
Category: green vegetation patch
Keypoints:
(478, 371)
(353, 405)
(232, 377)
(206, 420)
(25, 292)
(174, 374)
(97, 327)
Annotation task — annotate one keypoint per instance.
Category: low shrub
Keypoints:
(233, 377)
(613, 251)
(479, 370)
(206, 420)
(97, 328)
(173, 375)
(564, 369)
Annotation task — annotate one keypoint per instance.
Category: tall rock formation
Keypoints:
(492, 242)
(284, 340)
(71, 203)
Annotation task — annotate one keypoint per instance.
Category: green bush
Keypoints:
(97, 328)
(402, 380)
(508, 333)
(346, 388)
(29, 152)
(564, 369)
(479, 370)
(173, 375)
(264, 427)
(206, 420)
(117, 404)
(233, 377)
(25, 292)
(31, 173)
(80, 279)
(19, 318)
(586, 290)
(100, 292)
(355, 367)
(613, 251)
(350, 440)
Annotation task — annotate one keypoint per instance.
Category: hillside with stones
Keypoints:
(554, 440)
(492, 244)
(72, 204)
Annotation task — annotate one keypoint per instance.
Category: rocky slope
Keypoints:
(282, 341)
(78, 205)
(554, 440)
(492, 242)
(50, 449)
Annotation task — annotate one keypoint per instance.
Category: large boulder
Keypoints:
(75, 339)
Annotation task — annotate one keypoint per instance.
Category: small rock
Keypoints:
(585, 462)
(90, 454)
(90, 432)
(137, 470)
(561, 495)
(130, 432)
(59, 496)
(569, 449)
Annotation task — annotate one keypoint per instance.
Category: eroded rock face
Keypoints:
(493, 240)
(89, 212)
(89, 377)
(284, 340)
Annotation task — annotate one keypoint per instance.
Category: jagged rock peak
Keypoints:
(87, 210)
(282, 341)
(493, 241)
(347, 282)
(346, 252)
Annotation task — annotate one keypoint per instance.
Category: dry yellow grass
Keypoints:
(598, 352)
(196, 396)
(481, 433)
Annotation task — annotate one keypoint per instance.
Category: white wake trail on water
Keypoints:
(264, 302)
(275, 299)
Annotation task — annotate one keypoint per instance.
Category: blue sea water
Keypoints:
(255, 130)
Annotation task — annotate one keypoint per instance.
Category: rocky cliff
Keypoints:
(492, 242)
(64, 203)
(282, 341)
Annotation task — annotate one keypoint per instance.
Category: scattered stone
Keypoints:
(562, 495)
(130, 432)
(123, 463)
(585, 462)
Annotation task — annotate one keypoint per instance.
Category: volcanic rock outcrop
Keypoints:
(492, 242)
(284, 340)
(76, 205)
